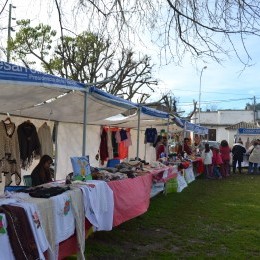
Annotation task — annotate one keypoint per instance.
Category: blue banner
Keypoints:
(17, 74)
(249, 131)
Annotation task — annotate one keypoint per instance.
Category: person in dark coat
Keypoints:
(238, 152)
(42, 173)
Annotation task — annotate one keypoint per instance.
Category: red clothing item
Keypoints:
(225, 153)
(103, 150)
(216, 158)
(122, 151)
(187, 149)
(159, 149)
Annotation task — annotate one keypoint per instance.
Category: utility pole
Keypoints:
(9, 31)
(254, 107)
(200, 90)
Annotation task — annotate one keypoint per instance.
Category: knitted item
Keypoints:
(9, 153)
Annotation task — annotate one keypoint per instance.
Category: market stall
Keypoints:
(247, 136)
(41, 97)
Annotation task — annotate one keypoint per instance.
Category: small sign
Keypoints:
(81, 167)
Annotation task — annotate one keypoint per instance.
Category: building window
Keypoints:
(212, 135)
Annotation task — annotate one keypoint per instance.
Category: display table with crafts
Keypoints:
(131, 199)
(195, 162)
(66, 218)
(58, 217)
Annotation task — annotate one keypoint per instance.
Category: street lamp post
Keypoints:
(200, 89)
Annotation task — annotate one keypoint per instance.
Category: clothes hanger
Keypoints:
(8, 119)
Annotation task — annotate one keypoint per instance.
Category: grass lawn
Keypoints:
(209, 219)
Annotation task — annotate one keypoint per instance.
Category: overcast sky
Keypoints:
(222, 86)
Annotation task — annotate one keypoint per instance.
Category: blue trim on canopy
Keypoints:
(15, 74)
(153, 112)
(107, 97)
(179, 122)
(197, 129)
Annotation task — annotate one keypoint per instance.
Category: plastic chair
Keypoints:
(27, 179)
(112, 162)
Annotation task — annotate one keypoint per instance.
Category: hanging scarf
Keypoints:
(29, 143)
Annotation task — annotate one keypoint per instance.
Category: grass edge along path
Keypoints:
(209, 219)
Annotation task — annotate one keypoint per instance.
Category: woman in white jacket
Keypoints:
(254, 158)
(207, 161)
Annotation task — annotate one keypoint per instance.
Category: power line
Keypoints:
(217, 101)
(211, 92)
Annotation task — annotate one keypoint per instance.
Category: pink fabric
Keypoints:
(131, 197)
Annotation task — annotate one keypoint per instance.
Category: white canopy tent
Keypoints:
(33, 94)
(28, 93)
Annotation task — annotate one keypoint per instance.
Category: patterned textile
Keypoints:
(20, 233)
(9, 153)
(77, 205)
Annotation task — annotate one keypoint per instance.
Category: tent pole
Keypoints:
(85, 123)
(167, 140)
(138, 132)
(56, 124)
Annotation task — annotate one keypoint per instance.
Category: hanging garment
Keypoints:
(109, 144)
(128, 141)
(44, 134)
(103, 151)
(98, 204)
(118, 137)
(9, 153)
(150, 135)
(123, 134)
(29, 143)
(115, 145)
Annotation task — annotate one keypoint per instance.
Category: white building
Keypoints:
(223, 124)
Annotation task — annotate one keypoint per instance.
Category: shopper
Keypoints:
(217, 162)
(238, 152)
(41, 173)
(254, 157)
(187, 146)
(159, 147)
(225, 150)
(207, 161)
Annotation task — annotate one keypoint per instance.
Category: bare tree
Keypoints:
(171, 104)
(203, 28)
(85, 58)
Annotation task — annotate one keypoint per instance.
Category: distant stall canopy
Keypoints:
(149, 117)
